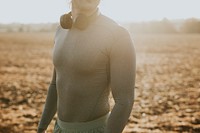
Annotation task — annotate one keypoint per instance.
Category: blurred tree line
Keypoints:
(191, 26)
(17, 27)
(164, 26)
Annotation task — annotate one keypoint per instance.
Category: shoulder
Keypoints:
(115, 28)
(60, 32)
(121, 32)
(106, 21)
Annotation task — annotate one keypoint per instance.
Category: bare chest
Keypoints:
(80, 51)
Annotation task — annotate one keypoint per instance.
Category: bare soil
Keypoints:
(167, 96)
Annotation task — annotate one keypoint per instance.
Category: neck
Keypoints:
(76, 12)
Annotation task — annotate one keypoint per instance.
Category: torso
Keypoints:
(81, 60)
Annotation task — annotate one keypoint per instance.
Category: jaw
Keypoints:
(85, 6)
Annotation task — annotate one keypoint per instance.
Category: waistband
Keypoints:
(99, 122)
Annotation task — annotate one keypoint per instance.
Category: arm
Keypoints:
(122, 74)
(50, 107)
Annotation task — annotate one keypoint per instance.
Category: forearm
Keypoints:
(119, 117)
(50, 108)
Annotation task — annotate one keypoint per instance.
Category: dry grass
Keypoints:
(167, 95)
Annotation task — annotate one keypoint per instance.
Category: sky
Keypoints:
(43, 11)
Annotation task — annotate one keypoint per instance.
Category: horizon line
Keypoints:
(119, 21)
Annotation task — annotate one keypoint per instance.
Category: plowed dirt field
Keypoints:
(167, 95)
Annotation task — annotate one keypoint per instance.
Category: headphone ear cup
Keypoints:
(81, 22)
(66, 21)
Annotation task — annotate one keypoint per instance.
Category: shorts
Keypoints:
(94, 126)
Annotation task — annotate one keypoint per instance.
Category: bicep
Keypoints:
(122, 69)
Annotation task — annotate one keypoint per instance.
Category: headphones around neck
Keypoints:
(81, 22)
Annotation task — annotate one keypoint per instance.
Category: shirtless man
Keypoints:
(91, 59)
